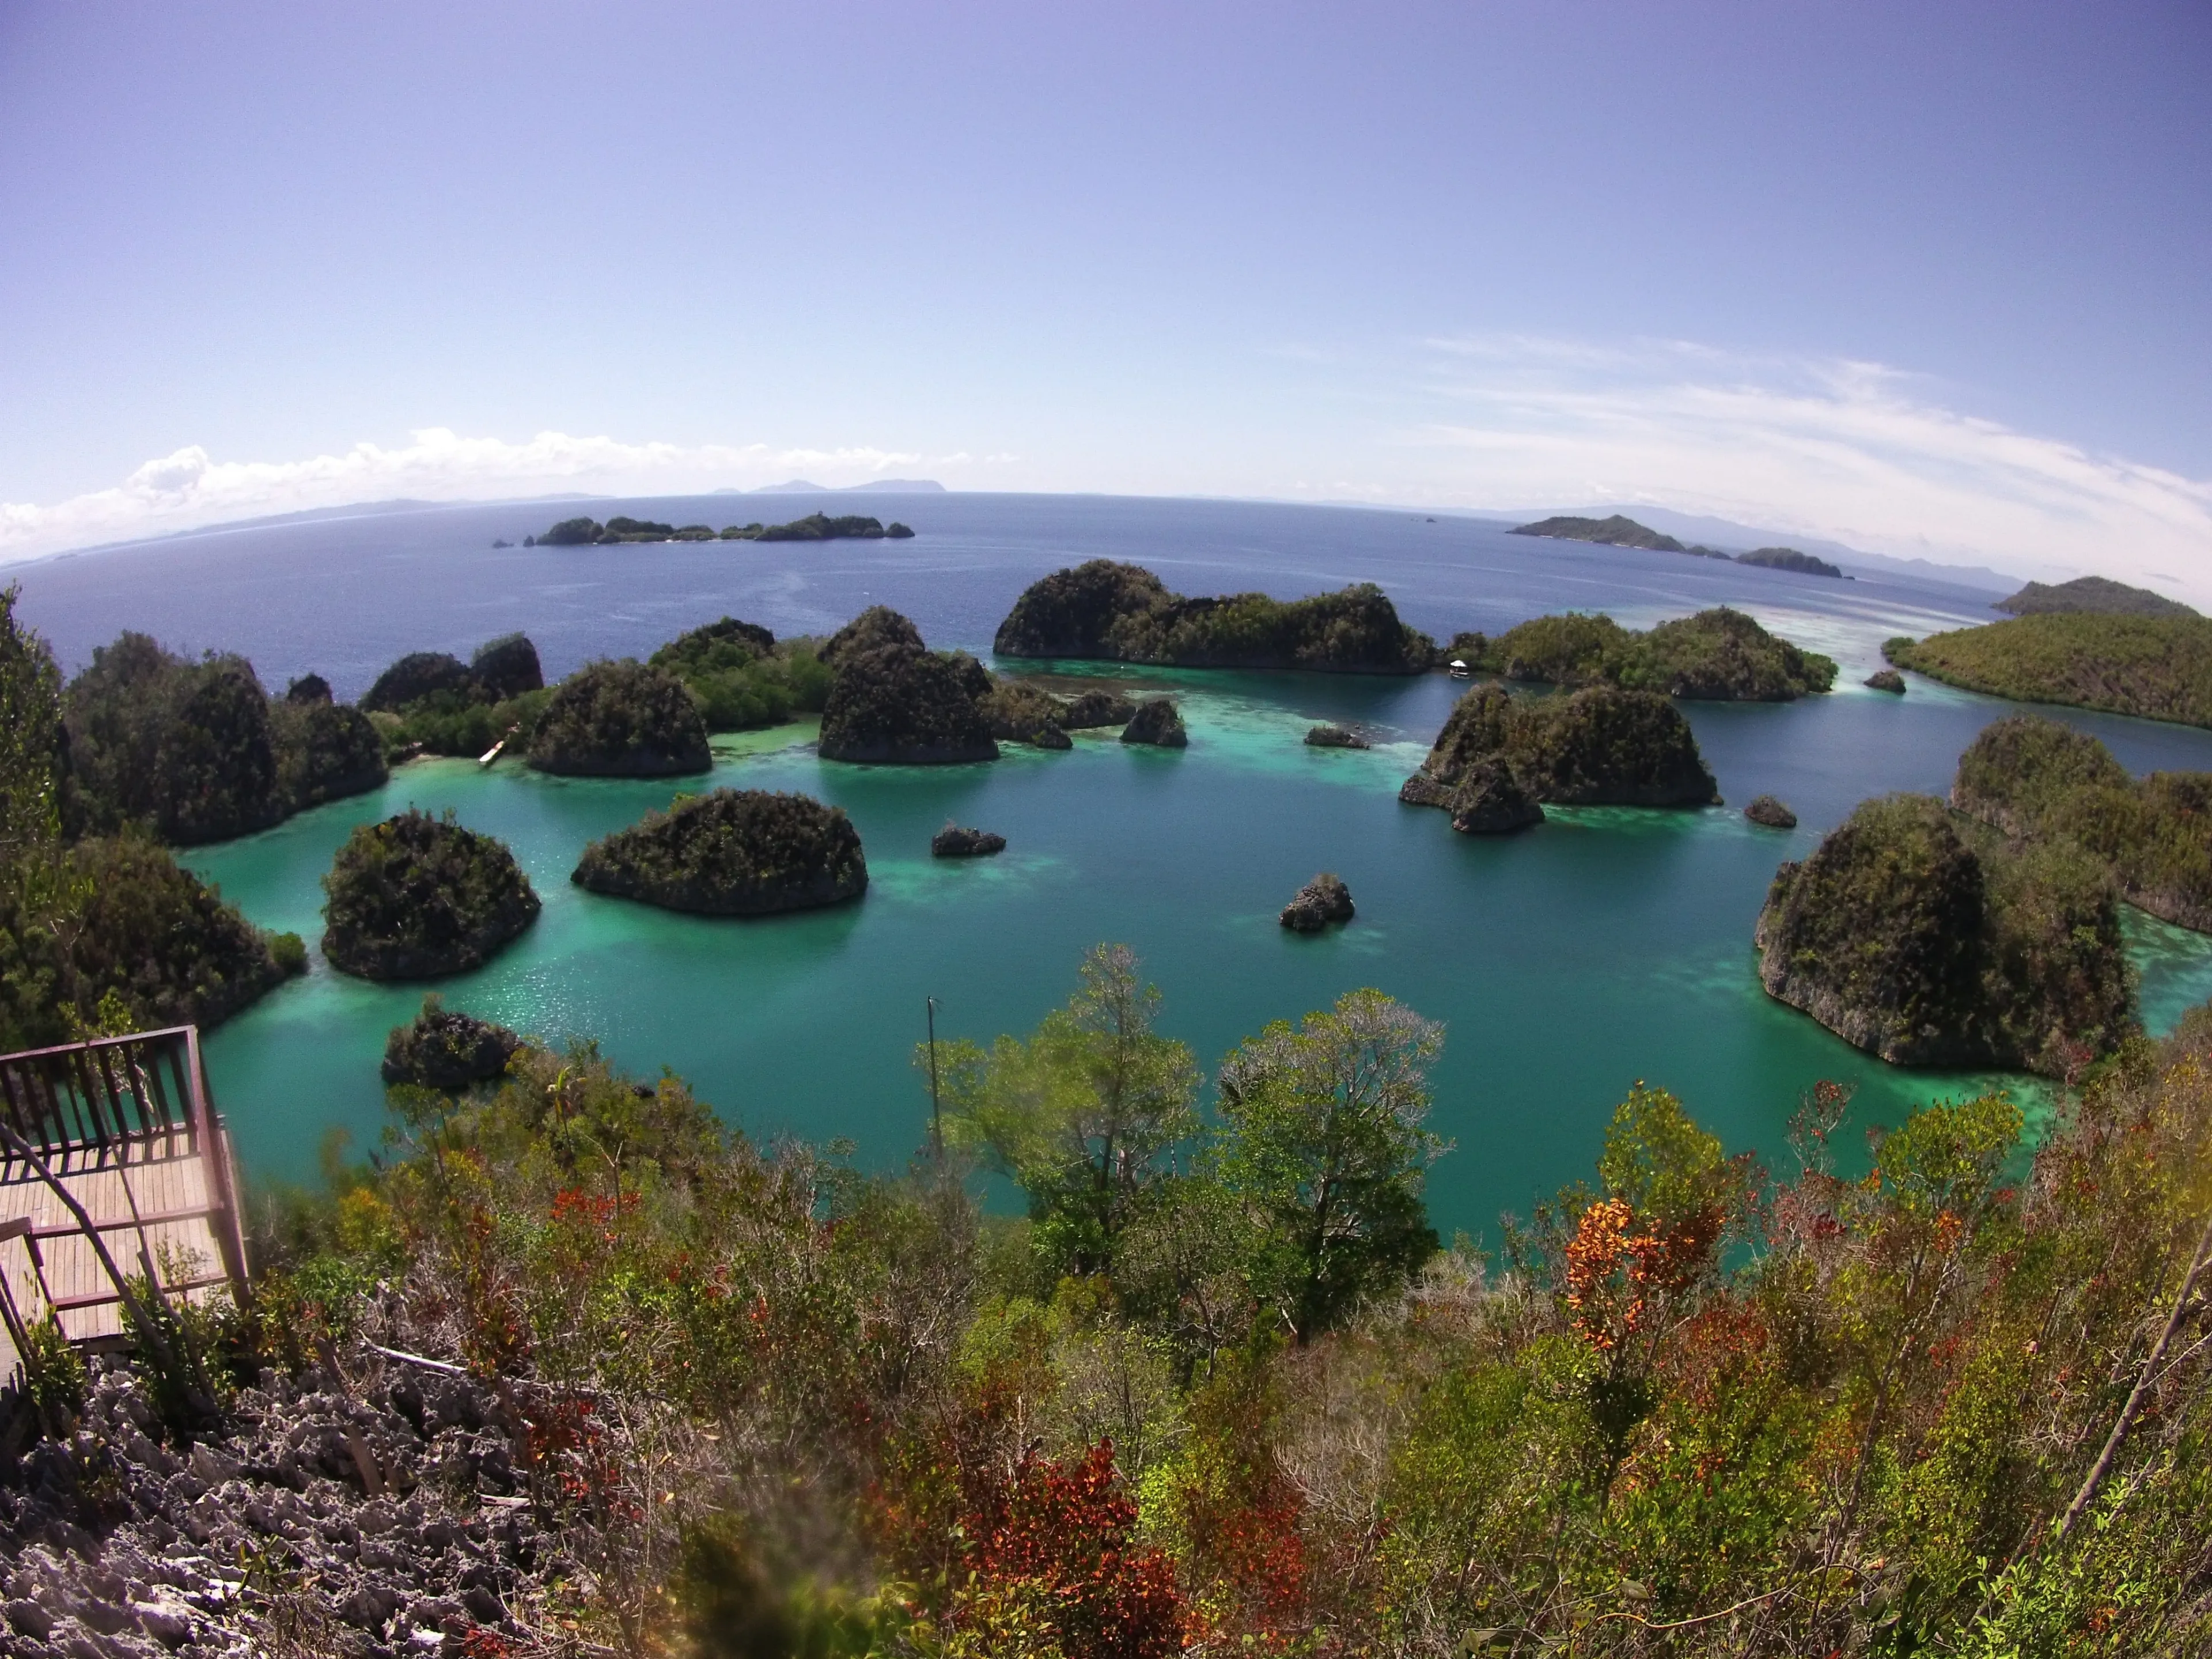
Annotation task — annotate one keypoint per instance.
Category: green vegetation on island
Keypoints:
(1158, 722)
(1790, 559)
(1915, 933)
(101, 931)
(1720, 655)
(742, 677)
(2100, 594)
(1124, 613)
(894, 702)
(2037, 779)
(1620, 531)
(432, 703)
(814, 527)
(620, 719)
(418, 896)
(443, 1048)
(732, 853)
(1218, 1389)
(1599, 746)
(2158, 668)
(195, 752)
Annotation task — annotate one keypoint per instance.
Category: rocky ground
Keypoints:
(376, 1513)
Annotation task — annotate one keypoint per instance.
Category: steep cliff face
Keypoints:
(1124, 612)
(732, 853)
(1905, 938)
(894, 702)
(1599, 746)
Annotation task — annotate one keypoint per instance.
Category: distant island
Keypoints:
(1718, 656)
(1124, 613)
(2100, 594)
(1620, 531)
(814, 527)
(2158, 668)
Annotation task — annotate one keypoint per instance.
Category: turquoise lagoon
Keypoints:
(1607, 946)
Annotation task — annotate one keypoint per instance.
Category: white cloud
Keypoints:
(1836, 448)
(191, 487)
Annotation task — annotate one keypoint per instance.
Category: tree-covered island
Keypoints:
(432, 703)
(1124, 613)
(894, 702)
(1717, 655)
(1620, 531)
(2099, 594)
(814, 527)
(1919, 935)
(742, 676)
(2156, 667)
(732, 853)
(2038, 781)
(418, 897)
(1599, 746)
(620, 719)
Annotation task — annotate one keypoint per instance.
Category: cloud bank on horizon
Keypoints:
(1837, 449)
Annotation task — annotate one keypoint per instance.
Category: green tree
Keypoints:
(1083, 1114)
(1326, 1149)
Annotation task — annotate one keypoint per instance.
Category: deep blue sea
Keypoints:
(1606, 946)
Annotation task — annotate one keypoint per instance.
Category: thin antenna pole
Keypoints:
(935, 1107)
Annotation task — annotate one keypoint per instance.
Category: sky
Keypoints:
(1929, 279)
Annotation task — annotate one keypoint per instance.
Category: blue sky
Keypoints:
(1931, 278)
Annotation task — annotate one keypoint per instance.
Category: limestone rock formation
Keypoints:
(1599, 746)
(1887, 679)
(1767, 811)
(732, 853)
(1157, 721)
(1335, 737)
(894, 702)
(444, 1048)
(1322, 901)
(955, 842)
(414, 896)
(1489, 801)
(620, 719)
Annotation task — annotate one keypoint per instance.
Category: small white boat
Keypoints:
(1459, 670)
(493, 753)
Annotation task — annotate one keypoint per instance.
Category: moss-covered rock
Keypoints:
(442, 1048)
(732, 853)
(1096, 706)
(1599, 746)
(1019, 711)
(2035, 779)
(416, 896)
(1906, 939)
(1323, 900)
(1333, 737)
(1767, 810)
(1124, 612)
(620, 719)
(894, 702)
(1157, 721)
(953, 841)
(1886, 679)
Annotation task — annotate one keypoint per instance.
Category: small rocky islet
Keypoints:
(954, 842)
(418, 897)
(444, 1049)
(1322, 901)
(732, 853)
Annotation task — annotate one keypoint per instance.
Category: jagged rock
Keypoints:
(1097, 707)
(1422, 790)
(1489, 801)
(1887, 679)
(1770, 812)
(1335, 737)
(877, 625)
(443, 1048)
(1019, 711)
(1599, 746)
(732, 853)
(954, 843)
(1322, 901)
(1157, 721)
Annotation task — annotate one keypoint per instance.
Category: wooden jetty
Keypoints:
(117, 1137)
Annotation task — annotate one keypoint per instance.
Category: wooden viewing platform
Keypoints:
(125, 1126)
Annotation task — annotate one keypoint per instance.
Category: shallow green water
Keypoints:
(1607, 945)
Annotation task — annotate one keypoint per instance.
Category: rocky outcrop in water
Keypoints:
(1335, 737)
(1124, 612)
(1095, 707)
(732, 853)
(416, 898)
(620, 720)
(1908, 939)
(1018, 711)
(1770, 812)
(894, 702)
(1157, 721)
(1886, 679)
(1489, 801)
(1323, 900)
(1600, 746)
(444, 1048)
(954, 843)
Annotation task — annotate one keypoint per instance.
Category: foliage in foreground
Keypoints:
(1953, 1404)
